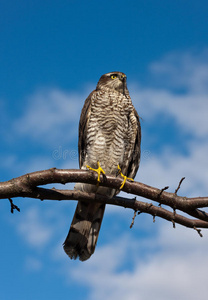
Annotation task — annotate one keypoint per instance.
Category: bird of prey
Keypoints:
(109, 138)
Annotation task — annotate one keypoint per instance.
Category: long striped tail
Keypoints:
(83, 233)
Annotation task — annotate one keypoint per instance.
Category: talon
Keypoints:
(124, 177)
(99, 170)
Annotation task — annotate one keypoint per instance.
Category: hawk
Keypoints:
(109, 136)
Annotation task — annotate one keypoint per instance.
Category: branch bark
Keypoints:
(28, 186)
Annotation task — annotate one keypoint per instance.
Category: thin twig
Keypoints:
(13, 206)
(132, 223)
(173, 220)
(199, 231)
(179, 185)
(173, 223)
(162, 190)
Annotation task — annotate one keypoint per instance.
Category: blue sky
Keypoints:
(52, 54)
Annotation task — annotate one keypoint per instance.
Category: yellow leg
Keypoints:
(99, 170)
(124, 177)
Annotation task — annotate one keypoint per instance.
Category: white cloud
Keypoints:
(50, 115)
(168, 168)
(188, 112)
(41, 223)
(185, 109)
(33, 264)
(187, 70)
(33, 229)
(168, 273)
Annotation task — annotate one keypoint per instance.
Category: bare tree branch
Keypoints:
(28, 186)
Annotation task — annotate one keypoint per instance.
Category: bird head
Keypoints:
(113, 80)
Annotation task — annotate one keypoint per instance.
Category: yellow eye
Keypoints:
(113, 76)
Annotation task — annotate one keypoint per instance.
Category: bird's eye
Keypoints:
(113, 76)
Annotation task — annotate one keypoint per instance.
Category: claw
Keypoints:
(99, 170)
(124, 177)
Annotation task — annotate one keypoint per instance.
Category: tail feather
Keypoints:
(83, 234)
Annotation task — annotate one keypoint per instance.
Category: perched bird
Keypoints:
(109, 138)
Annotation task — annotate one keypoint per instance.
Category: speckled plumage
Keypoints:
(109, 132)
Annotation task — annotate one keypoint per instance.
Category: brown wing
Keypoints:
(135, 155)
(83, 125)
